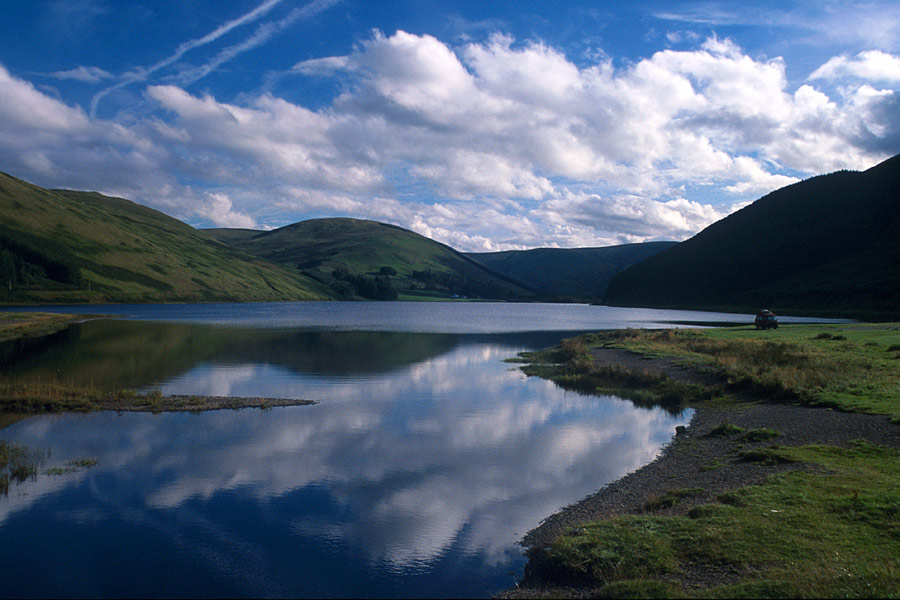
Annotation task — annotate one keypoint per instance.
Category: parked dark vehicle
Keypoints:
(766, 319)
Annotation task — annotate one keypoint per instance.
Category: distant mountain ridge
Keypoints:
(827, 245)
(830, 244)
(568, 272)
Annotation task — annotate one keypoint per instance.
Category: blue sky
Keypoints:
(485, 125)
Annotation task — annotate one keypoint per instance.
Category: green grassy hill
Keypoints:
(571, 272)
(365, 259)
(67, 246)
(827, 245)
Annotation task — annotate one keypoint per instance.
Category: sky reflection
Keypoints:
(428, 467)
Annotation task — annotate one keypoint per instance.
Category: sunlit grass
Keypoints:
(799, 534)
(851, 367)
(829, 529)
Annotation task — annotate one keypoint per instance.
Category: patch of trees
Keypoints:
(28, 262)
(371, 288)
(462, 285)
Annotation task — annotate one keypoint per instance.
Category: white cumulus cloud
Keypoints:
(872, 65)
(488, 145)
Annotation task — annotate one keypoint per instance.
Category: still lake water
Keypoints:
(425, 461)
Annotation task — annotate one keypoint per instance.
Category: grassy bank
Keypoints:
(798, 534)
(30, 398)
(20, 325)
(850, 367)
(825, 525)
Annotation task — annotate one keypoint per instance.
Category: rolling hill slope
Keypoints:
(68, 246)
(829, 245)
(357, 258)
(571, 272)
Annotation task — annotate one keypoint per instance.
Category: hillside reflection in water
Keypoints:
(424, 463)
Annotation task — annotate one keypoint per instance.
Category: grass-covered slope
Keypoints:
(830, 244)
(573, 272)
(67, 246)
(358, 258)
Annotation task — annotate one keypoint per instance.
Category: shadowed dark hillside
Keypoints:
(572, 272)
(830, 244)
(356, 258)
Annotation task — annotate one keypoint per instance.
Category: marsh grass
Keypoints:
(798, 534)
(18, 463)
(847, 367)
(72, 466)
(22, 325)
(570, 366)
(47, 397)
(29, 398)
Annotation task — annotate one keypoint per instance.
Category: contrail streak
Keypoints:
(259, 37)
(142, 73)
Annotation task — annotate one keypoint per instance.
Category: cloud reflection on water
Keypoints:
(455, 453)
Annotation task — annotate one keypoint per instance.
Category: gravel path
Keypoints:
(694, 460)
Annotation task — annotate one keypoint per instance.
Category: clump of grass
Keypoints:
(620, 334)
(572, 348)
(827, 336)
(724, 429)
(46, 397)
(18, 463)
(72, 466)
(766, 456)
(600, 553)
(713, 465)
(704, 511)
(761, 435)
(733, 498)
(671, 498)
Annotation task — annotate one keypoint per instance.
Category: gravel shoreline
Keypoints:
(696, 460)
